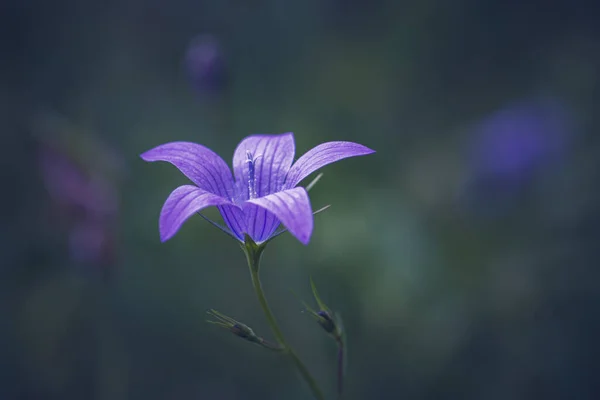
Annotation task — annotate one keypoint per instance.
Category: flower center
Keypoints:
(251, 160)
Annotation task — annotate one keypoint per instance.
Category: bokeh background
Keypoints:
(462, 256)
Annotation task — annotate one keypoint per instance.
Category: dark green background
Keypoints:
(439, 299)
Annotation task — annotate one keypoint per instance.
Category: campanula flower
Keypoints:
(514, 142)
(205, 64)
(511, 149)
(262, 192)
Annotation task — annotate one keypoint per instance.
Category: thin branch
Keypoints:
(314, 182)
(222, 228)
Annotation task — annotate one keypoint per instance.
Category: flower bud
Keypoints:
(326, 322)
(239, 329)
(325, 318)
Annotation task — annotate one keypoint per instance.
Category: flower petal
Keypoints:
(234, 219)
(322, 155)
(292, 208)
(273, 155)
(259, 223)
(181, 204)
(198, 163)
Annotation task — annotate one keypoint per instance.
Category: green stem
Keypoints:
(253, 255)
(340, 367)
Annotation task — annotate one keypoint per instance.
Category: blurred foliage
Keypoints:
(464, 267)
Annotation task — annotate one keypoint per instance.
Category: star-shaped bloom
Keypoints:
(262, 192)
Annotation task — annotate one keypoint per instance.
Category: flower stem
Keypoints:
(253, 255)
(340, 369)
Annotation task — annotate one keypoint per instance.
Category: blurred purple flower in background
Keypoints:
(513, 147)
(71, 187)
(264, 192)
(82, 188)
(516, 142)
(206, 66)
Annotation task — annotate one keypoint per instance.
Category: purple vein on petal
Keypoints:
(273, 156)
(292, 208)
(199, 164)
(284, 230)
(259, 181)
(181, 204)
(269, 219)
(321, 155)
(232, 216)
(264, 189)
(278, 153)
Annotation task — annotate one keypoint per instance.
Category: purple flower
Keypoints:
(261, 194)
(82, 176)
(516, 141)
(511, 149)
(87, 203)
(71, 186)
(206, 64)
